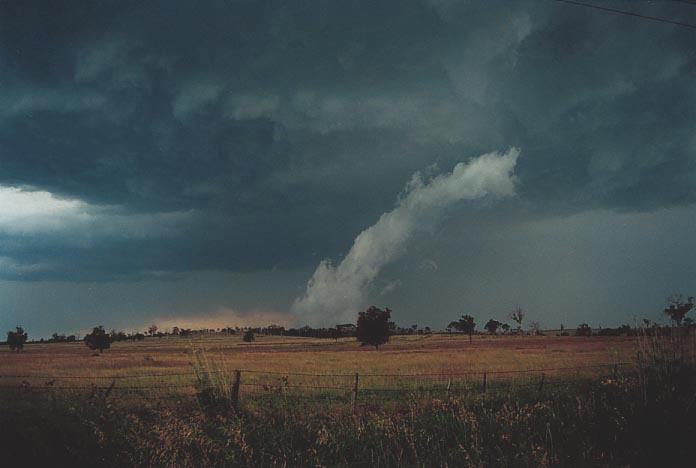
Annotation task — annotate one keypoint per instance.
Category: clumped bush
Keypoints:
(583, 330)
(16, 339)
(248, 336)
(98, 339)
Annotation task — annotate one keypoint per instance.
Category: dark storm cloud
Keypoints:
(243, 135)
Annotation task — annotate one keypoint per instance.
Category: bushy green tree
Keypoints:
(373, 326)
(248, 336)
(492, 326)
(16, 339)
(466, 324)
(98, 339)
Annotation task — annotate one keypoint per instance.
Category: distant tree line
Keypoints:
(374, 327)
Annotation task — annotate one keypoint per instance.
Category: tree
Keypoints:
(517, 316)
(98, 339)
(535, 327)
(373, 326)
(677, 308)
(583, 330)
(505, 327)
(16, 339)
(248, 336)
(118, 336)
(152, 329)
(492, 326)
(466, 324)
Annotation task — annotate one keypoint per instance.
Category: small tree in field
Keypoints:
(248, 336)
(505, 327)
(16, 339)
(492, 326)
(535, 327)
(98, 339)
(583, 330)
(466, 324)
(677, 308)
(373, 326)
(517, 316)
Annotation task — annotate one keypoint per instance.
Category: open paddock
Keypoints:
(272, 366)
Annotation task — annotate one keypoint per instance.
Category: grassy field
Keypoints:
(170, 403)
(166, 365)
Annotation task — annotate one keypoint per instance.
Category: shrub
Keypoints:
(98, 339)
(492, 326)
(583, 330)
(16, 339)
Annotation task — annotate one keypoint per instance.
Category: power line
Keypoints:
(628, 13)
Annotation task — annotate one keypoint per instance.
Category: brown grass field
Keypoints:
(163, 367)
(548, 401)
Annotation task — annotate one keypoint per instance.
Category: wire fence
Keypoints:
(256, 385)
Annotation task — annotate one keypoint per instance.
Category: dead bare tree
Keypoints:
(517, 316)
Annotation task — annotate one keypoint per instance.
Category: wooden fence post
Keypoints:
(354, 393)
(485, 382)
(541, 383)
(108, 390)
(449, 387)
(615, 375)
(235, 388)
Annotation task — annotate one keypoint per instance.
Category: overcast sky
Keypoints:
(236, 162)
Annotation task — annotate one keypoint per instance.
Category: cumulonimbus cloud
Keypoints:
(337, 292)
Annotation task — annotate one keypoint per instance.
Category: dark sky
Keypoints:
(194, 162)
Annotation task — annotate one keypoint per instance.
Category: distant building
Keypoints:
(346, 329)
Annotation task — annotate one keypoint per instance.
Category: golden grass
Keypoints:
(276, 359)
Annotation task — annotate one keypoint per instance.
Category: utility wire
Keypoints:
(628, 13)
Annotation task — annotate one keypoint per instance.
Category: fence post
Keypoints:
(485, 382)
(616, 372)
(235, 388)
(354, 393)
(541, 383)
(108, 390)
(449, 387)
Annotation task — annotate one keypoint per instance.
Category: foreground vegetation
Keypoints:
(644, 417)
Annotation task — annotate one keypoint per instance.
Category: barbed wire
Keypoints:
(307, 374)
(270, 390)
